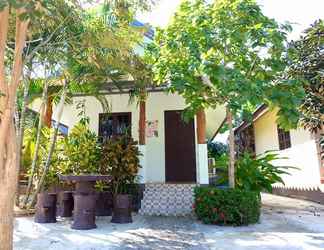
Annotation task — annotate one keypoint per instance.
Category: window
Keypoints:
(284, 138)
(62, 129)
(114, 124)
(245, 141)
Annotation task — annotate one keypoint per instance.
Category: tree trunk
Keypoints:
(37, 146)
(8, 139)
(52, 148)
(7, 194)
(49, 112)
(231, 167)
(21, 133)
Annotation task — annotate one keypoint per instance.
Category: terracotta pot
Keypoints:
(84, 212)
(122, 212)
(65, 204)
(45, 208)
(104, 203)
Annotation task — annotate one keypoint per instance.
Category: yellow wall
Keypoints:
(301, 154)
(265, 132)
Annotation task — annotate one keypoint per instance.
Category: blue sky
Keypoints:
(300, 12)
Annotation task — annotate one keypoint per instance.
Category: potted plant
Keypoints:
(104, 199)
(120, 158)
(82, 157)
(81, 151)
(46, 198)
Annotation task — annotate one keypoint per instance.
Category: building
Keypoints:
(174, 152)
(299, 146)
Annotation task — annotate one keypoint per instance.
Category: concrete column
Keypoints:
(142, 144)
(142, 122)
(202, 171)
(203, 177)
(142, 171)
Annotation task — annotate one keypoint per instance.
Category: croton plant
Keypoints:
(120, 159)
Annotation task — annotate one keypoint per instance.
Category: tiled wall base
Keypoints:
(168, 199)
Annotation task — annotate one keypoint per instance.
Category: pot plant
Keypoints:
(104, 199)
(81, 151)
(82, 158)
(120, 158)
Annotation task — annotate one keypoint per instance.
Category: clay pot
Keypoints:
(46, 208)
(65, 204)
(84, 212)
(104, 203)
(122, 212)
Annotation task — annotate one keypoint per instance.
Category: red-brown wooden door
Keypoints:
(180, 154)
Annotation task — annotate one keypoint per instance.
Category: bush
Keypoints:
(120, 159)
(216, 149)
(254, 174)
(28, 152)
(81, 151)
(227, 207)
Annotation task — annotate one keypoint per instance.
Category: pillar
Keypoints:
(202, 171)
(141, 140)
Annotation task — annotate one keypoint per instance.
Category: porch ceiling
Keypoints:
(214, 120)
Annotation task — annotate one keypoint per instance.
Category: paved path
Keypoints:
(285, 224)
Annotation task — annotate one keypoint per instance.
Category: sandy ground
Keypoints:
(285, 224)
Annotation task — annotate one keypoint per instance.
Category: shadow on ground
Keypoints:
(285, 224)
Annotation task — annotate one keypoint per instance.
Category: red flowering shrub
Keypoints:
(227, 207)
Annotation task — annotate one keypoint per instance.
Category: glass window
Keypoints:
(114, 124)
(62, 129)
(284, 138)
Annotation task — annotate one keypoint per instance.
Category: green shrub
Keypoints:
(254, 174)
(29, 147)
(81, 151)
(120, 159)
(227, 207)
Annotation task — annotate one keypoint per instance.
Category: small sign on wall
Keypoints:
(152, 128)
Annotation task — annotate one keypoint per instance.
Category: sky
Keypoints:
(299, 12)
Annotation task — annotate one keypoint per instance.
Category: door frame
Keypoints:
(194, 149)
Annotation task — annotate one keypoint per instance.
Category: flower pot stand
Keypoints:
(122, 212)
(45, 208)
(65, 204)
(84, 199)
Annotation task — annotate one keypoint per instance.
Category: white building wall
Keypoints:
(157, 103)
(301, 154)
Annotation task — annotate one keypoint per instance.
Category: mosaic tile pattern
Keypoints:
(167, 199)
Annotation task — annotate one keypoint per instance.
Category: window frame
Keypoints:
(284, 138)
(114, 116)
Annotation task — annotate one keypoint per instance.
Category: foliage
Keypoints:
(307, 64)
(226, 53)
(321, 146)
(120, 159)
(216, 149)
(227, 207)
(255, 174)
(81, 151)
(28, 154)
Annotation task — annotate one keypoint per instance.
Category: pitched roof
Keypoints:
(256, 115)
(149, 33)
